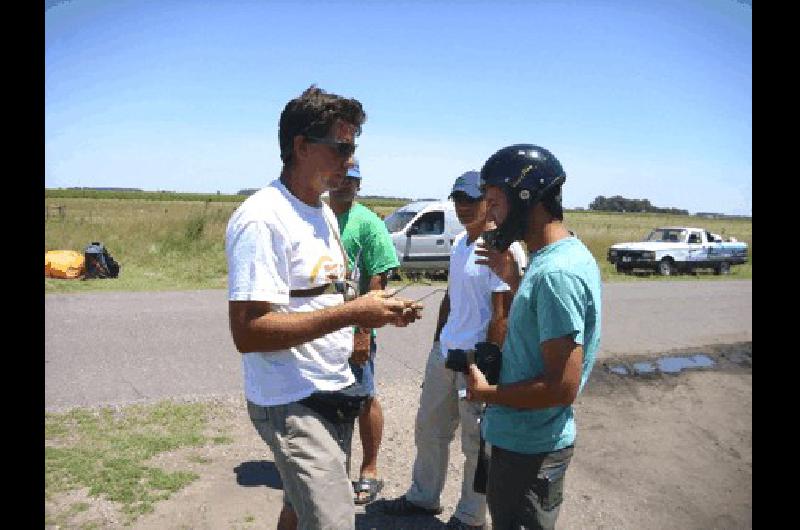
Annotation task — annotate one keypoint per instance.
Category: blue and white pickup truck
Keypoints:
(670, 250)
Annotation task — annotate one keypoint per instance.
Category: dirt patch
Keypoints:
(76, 509)
(665, 450)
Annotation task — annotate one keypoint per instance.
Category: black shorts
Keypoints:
(525, 491)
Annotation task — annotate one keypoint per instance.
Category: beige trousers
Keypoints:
(440, 411)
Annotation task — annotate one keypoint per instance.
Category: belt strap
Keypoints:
(328, 288)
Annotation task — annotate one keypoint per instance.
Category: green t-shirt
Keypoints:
(364, 235)
(560, 294)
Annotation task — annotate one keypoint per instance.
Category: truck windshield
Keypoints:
(398, 220)
(667, 235)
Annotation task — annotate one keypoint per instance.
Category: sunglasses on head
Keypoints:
(343, 149)
(460, 196)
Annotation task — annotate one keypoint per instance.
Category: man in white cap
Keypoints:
(473, 310)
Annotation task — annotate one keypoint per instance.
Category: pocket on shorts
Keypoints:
(259, 417)
(550, 485)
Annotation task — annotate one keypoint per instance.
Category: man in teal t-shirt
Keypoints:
(371, 253)
(551, 343)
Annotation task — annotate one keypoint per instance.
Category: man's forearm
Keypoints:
(513, 282)
(444, 312)
(278, 331)
(378, 282)
(536, 393)
(497, 331)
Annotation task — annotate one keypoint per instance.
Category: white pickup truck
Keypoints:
(670, 250)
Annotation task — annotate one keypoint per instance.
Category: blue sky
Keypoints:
(644, 99)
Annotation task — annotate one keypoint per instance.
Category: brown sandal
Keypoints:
(370, 486)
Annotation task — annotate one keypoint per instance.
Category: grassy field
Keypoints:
(180, 244)
(143, 195)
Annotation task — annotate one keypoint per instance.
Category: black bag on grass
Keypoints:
(99, 263)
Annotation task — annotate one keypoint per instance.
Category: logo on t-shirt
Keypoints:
(329, 269)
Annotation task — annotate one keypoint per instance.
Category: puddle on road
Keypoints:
(671, 364)
(644, 368)
(618, 369)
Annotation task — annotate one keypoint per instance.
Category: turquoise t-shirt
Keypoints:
(364, 235)
(560, 294)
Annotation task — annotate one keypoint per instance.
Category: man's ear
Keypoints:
(538, 212)
(299, 147)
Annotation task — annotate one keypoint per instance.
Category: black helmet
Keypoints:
(526, 173)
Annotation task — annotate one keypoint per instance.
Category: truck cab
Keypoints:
(423, 234)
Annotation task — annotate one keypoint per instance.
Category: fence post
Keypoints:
(60, 208)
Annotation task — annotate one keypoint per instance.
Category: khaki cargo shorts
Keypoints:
(310, 456)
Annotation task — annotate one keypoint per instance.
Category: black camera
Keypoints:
(486, 355)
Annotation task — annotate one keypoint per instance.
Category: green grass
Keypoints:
(107, 452)
(159, 245)
(180, 244)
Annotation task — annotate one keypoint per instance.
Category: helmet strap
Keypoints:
(511, 229)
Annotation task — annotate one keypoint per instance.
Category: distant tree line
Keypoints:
(384, 197)
(621, 204)
(714, 215)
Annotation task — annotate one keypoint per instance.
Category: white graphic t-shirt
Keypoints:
(470, 287)
(275, 243)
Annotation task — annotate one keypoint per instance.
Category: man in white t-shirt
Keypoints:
(288, 315)
(473, 310)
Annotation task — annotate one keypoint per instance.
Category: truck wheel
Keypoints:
(621, 269)
(723, 268)
(666, 267)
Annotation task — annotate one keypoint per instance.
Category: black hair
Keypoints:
(313, 113)
(551, 201)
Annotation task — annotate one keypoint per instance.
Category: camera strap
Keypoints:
(351, 289)
(328, 288)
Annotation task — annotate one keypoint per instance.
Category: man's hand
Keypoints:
(411, 313)
(361, 351)
(376, 309)
(501, 263)
(359, 358)
(477, 385)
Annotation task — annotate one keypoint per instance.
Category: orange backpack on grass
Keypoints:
(67, 264)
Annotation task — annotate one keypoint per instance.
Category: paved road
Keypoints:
(112, 348)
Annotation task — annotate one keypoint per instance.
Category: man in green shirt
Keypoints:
(371, 256)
